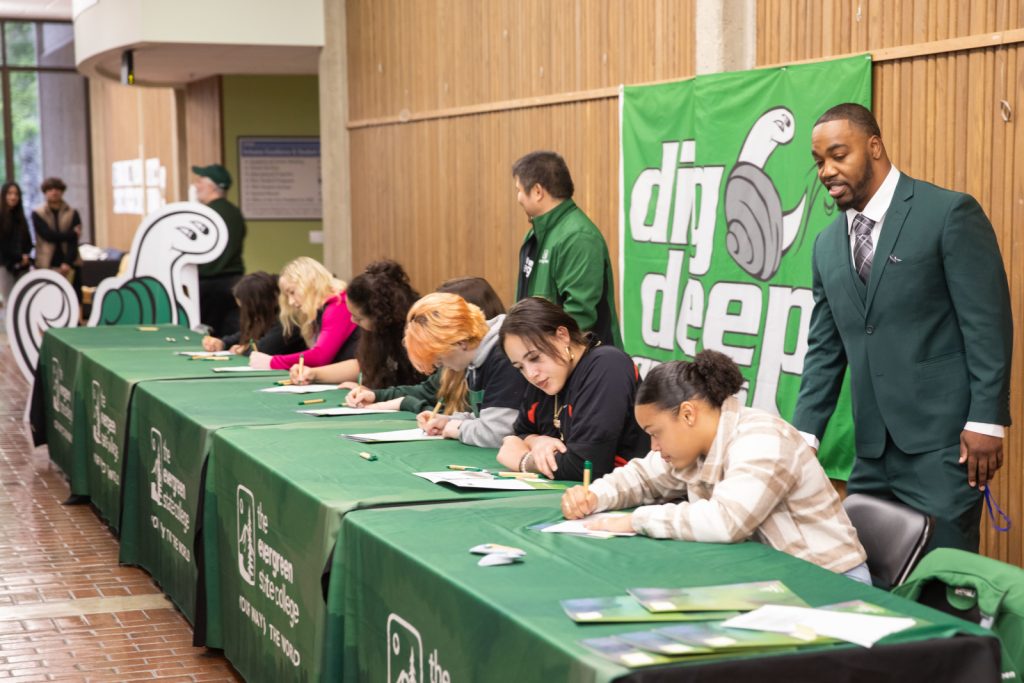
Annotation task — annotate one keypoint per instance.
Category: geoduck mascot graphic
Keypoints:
(160, 285)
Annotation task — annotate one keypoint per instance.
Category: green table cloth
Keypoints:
(275, 499)
(412, 594)
(57, 372)
(170, 428)
(107, 379)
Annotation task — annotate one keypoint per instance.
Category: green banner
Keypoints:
(721, 205)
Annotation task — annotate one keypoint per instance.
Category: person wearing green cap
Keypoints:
(217, 307)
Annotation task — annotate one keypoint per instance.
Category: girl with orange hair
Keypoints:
(480, 390)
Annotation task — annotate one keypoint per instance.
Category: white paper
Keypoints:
(203, 354)
(475, 480)
(861, 629)
(243, 368)
(300, 389)
(577, 526)
(344, 410)
(415, 434)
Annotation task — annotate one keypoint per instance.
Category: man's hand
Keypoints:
(983, 455)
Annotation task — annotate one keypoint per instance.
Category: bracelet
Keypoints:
(522, 461)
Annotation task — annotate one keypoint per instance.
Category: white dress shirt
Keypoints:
(875, 209)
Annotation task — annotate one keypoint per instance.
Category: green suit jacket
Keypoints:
(928, 340)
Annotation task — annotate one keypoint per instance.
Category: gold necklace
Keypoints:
(556, 421)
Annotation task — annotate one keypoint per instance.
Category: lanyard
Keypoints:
(991, 503)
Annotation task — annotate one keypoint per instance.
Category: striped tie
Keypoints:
(863, 249)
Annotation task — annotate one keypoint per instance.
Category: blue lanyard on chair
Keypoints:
(989, 504)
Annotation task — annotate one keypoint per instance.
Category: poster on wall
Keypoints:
(720, 206)
(279, 178)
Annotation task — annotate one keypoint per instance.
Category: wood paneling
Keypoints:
(436, 54)
(203, 123)
(941, 121)
(130, 123)
(438, 195)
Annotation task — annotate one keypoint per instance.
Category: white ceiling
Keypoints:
(36, 9)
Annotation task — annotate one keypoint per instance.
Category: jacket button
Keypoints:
(870, 329)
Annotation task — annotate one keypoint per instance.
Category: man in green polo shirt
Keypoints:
(564, 257)
(217, 307)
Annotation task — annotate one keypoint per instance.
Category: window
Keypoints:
(44, 108)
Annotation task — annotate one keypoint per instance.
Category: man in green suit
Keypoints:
(911, 294)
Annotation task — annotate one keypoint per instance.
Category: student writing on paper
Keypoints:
(580, 406)
(415, 398)
(480, 390)
(312, 301)
(378, 299)
(742, 473)
(257, 297)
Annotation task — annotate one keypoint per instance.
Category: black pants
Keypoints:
(217, 307)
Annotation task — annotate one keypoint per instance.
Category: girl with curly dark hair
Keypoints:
(378, 300)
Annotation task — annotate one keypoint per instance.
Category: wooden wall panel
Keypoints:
(438, 196)
(435, 54)
(203, 123)
(941, 121)
(130, 123)
(793, 30)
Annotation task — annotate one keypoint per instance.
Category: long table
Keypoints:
(275, 499)
(57, 379)
(107, 380)
(171, 425)
(413, 596)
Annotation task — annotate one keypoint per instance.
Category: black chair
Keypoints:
(893, 535)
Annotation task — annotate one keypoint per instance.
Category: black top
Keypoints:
(15, 241)
(596, 413)
(273, 342)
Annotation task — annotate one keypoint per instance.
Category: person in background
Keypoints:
(378, 299)
(720, 472)
(312, 301)
(564, 257)
(480, 390)
(15, 239)
(58, 228)
(580, 407)
(415, 398)
(217, 307)
(257, 297)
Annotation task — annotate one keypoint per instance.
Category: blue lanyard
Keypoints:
(989, 504)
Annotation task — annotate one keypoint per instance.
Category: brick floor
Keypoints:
(53, 555)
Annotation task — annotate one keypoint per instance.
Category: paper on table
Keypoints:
(415, 434)
(300, 389)
(861, 629)
(578, 526)
(243, 368)
(475, 480)
(203, 354)
(344, 410)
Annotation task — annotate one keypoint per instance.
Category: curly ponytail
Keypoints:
(711, 376)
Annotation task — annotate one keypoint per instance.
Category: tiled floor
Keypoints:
(68, 612)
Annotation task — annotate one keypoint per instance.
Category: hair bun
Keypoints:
(718, 374)
(389, 269)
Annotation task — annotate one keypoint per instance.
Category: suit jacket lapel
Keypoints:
(842, 248)
(893, 223)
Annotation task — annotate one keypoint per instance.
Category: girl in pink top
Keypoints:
(313, 301)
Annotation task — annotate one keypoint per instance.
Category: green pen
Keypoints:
(466, 468)
(587, 469)
(367, 456)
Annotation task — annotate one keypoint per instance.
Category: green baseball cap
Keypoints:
(215, 172)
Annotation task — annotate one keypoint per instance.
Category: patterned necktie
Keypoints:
(863, 250)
